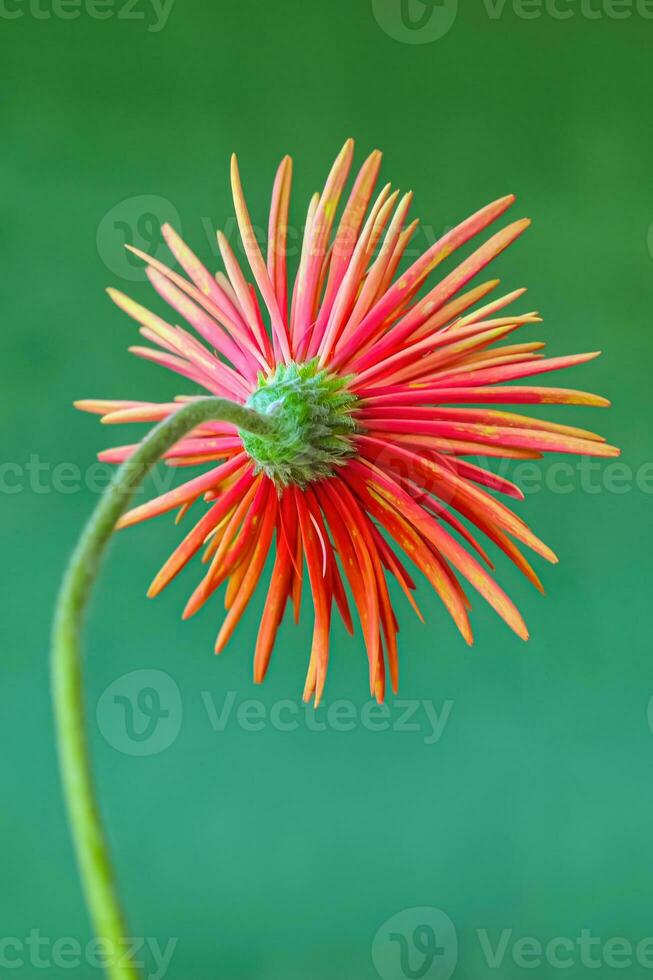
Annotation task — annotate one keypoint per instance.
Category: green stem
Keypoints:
(67, 682)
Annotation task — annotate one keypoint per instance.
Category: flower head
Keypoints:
(315, 421)
(377, 379)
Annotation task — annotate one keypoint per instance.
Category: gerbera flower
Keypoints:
(377, 381)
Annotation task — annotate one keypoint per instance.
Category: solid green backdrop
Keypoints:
(516, 800)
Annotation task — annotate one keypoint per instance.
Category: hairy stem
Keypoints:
(88, 834)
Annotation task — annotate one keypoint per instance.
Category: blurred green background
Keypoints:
(274, 854)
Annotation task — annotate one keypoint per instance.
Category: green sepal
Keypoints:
(314, 423)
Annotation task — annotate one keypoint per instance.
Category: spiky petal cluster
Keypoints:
(421, 361)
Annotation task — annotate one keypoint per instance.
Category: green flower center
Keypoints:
(314, 415)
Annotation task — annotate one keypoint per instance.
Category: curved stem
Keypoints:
(67, 683)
